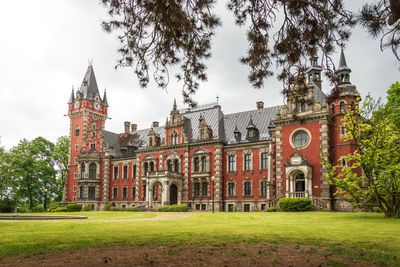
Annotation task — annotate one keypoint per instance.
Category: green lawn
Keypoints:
(365, 236)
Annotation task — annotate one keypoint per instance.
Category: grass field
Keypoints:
(365, 236)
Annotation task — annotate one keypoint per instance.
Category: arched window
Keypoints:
(152, 166)
(342, 107)
(77, 131)
(303, 107)
(92, 170)
(146, 168)
(203, 164)
(82, 170)
(169, 165)
(300, 184)
(196, 164)
(176, 165)
(175, 139)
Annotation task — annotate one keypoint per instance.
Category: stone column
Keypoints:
(106, 181)
(185, 177)
(218, 178)
(138, 176)
(324, 146)
(165, 197)
(279, 165)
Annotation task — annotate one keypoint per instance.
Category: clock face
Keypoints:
(76, 104)
(96, 105)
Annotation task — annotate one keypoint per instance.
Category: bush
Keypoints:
(132, 209)
(107, 207)
(23, 209)
(38, 208)
(377, 209)
(52, 208)
(173, 208)
(114, 209)
(87, 208)
(295, 204)
(271, 209)
(74, 207)
(7, 205)
(59, 209)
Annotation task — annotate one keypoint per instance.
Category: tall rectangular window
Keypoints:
(115, 193)
(247, 162)
(81, 192)
(232, 163)
(263, 188)
(134, 171)
(93, 147)
(204, 189)
(125, 172)
(116, 173)
(92, 192)
(124, 192)
(144, 192)
(247, 188)
(196, 189)
(231, 189)
(264, 161)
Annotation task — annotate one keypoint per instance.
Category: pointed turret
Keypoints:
(89, 85)
(72, 97)
(105, 103)
(343, 71)
(174, 107)
(314, 71)
(251, 123)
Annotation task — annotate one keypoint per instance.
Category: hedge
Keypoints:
(271, 209)
(74, 207)
(107, 207)
(294, 204)
(87, 208)
(59, 209)
(132, 209)
(38, 208)
(173, 208)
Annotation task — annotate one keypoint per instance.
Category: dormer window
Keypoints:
(174, 138)
(252, 131)
(150, 141)
(237, 135)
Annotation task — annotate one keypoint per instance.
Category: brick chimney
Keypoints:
(134, 127)
(127, 124)
(260, 105)
(155, 124)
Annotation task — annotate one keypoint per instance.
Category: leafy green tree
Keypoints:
(61, 154)
(32, 169)
(371, 177)
(282, 35)
(4, 181)
(393, 103)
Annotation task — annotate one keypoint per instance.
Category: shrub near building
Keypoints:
(74, 207)
(294, 204)
(173, 208)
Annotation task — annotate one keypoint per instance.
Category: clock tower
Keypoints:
(87, 112)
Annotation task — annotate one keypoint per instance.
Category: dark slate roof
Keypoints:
(89, 87)
(261, 119)
(318, 94)
(105, 103)
(141, 141)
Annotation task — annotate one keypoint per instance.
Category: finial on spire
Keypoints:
(343, 70)
(105, 102)
(174, 108)
(217, 98)
(72, 97)
(90, 62)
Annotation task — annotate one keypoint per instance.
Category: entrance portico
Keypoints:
(165, 188)
(298, 177)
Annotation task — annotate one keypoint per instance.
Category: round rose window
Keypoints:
(300, 138)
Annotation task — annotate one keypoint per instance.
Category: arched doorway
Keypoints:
(300, 183)
(173, 194)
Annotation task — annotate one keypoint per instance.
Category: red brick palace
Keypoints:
(205, 158)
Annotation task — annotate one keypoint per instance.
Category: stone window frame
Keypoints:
(264, 180)
(197, 182)
(75, 175)
(172, 157)
(77, 131)
(125, 167)
(94, 192)
(75, 160)
(294, 132)
(260, 153)
(251, 162)
(92, 146)
(122, 193)
(342, 109)
(174, 138)
(200, 153)
(144, 191)
(207, 193)
(148, 159)
(81, 192)
(246, 205)
(96, 167)
(234, 188)
(244, 187)
(115, 192)
(74, 190)
(134, 171)
(231, 154)
(342, 130)
(343, 162)
(115, 173)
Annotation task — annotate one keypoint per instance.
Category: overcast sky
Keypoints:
(45, 46)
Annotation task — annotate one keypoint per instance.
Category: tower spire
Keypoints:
(105, 103)
(174, 107)
(343, 71)
(72, 97)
